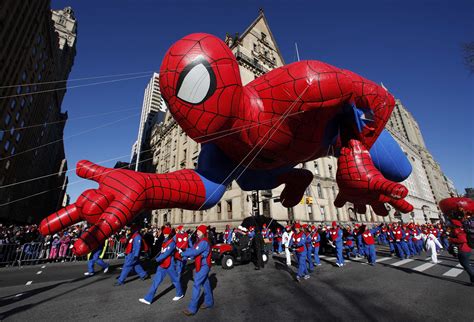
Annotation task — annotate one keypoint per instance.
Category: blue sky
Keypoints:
(413, 47)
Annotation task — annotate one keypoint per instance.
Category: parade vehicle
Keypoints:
(229, 255)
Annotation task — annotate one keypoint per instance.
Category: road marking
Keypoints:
(39, 272)
(322, 256)
(382, 259)
(459, 265)
(356, 258)
(453, 272)
(29, 283)
(423, 267)
(44, 266)
(402, 262)
(18, 295)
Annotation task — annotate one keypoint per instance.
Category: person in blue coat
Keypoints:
(335, 235)
(95, 258)
(201, 251)
(166, 266)
(132, 259)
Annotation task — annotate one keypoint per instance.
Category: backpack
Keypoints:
(468, 226)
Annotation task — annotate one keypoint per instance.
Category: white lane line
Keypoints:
(459, 265)
(29, 283)
(357, 258)
(423, 267)
(18, 295)
(453, 272)
(322, 256)
(39, 272)
(402, 262)
(383, 259)
(44, 266)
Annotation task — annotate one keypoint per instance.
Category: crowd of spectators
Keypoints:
(26, 243)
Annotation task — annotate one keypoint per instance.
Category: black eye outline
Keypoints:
(212, 78)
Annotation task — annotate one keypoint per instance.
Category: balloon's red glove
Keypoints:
(362, 184)
(121, 196)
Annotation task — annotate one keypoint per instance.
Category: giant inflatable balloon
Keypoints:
(456, 207)
(255, 135)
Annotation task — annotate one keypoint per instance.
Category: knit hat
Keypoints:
(334, 224)
(180, 227)
(297, 226)
(166, 231)
(202, 229)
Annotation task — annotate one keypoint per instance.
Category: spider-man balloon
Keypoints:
(256, 135)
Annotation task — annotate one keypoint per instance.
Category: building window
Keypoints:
(330, 170)
(320, 191)
(23, 76)
(17, 116)
(316, 168)
(13, 150)
(229, 209)
(2, 134)
(264, 37)
(333, 191)
(18, 89)
(201, 216)
(7, 119)
(165, 218)
(219, 208)
(323, 212)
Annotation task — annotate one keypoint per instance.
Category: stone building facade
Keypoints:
(37, 48)
(257, 53)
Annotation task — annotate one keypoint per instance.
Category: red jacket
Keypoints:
(460, 238)
(368, 238)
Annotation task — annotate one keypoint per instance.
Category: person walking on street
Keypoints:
(201, 251)
(458, 237)
(166, 266)
(95, 257)
(286, 239)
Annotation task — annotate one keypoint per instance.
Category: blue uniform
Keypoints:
(201, 251)
(336, 236)
(316, 239)
(95, 259)
(299, 242)
(132, 259)
(309, 252)
(167, 266)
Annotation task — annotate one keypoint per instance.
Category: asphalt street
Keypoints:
(393, 290)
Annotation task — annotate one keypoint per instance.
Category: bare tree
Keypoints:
(468, 53)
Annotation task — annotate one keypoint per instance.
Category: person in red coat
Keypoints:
(182, 242)
(458, 237)
(165, 267)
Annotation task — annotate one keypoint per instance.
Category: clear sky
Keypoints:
(413, 47)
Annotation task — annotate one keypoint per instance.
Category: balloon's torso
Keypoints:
(289, 115)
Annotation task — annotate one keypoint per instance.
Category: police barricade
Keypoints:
(30, 254)
(9, 253)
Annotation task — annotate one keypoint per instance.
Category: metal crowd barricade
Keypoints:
(9, 253)
(30, 253)
(38, 252)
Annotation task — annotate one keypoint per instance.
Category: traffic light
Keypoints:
(309, 200)
(302, 202)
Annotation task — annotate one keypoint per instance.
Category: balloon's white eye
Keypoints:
(196, 83)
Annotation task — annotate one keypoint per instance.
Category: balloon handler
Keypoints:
(166, 266)
(255, 135)
(132, 258)
(95, 257)
(201, 252)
